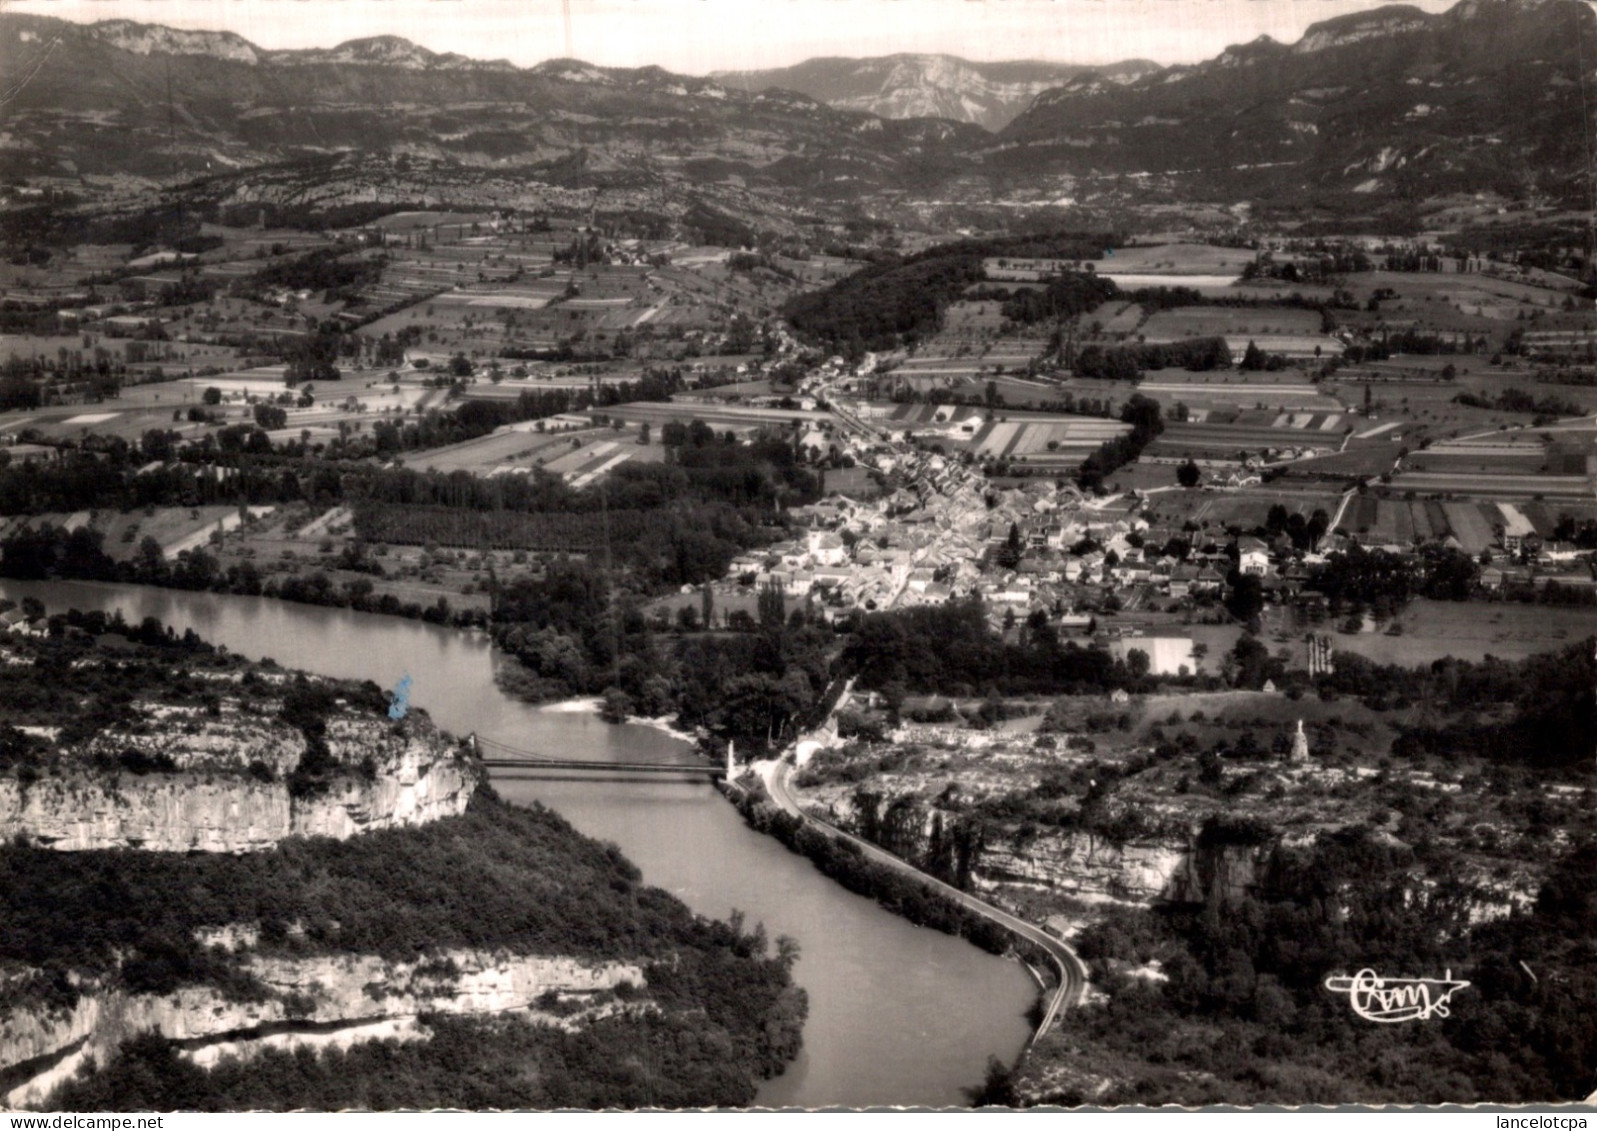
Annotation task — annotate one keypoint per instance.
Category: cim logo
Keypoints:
(1391, 1000)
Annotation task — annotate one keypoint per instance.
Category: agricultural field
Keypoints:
(353, 402)
(1247, 509)
(1359, 460)
(1469, 630)
(1117, 318)
(1525, 463)
(1426, 631)
(721, 417)
(1572, 488)
(582, 466)
(1476, 526)
(1034, 438)
(1044, 440)
(970, 320)
(433, 222)
(501, 450)
(1232, 322)
(1476, 301)
(1203, 392)
(1226, 435)
(1022, 392)
(1177, 259)
(854, 482)
(175, 529)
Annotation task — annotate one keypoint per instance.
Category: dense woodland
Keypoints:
(1244, 1016)
(901, 301)
(729, 1013)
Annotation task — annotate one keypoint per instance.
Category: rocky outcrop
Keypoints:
(354, 996)
(410, 779)
(1083, 865)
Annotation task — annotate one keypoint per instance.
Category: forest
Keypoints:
(1243, 1016)
(1126, 363)
(950, 650)
(757, 687)
(1539, 712)
(727, 1013)
(324, 269)
(724, 1014)
(901, 301)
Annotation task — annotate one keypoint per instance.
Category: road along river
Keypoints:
(898, 1014)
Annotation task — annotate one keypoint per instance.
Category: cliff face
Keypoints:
(1080, 865)
(322, 1000)
(220, 782)
(420, 781)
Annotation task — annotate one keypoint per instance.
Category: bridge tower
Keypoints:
(731, 761)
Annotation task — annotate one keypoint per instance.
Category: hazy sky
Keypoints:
(696, 36)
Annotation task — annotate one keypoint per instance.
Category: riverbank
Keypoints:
(193, 917)
(565, 968)
(594, 705)
(841, 861)
(1033, 943)
(898, 1015)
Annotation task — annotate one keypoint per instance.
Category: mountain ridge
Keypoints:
(1376, 109)
(916, 85)
(1387, 103)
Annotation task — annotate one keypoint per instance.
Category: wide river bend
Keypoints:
(899, 1015)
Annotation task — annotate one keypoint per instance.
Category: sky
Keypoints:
(699, 36)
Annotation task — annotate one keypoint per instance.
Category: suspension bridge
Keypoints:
(500, 756)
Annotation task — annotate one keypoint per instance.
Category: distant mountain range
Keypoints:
(1489, 94)
(990, 95)
(130, 98)
(1367, 110)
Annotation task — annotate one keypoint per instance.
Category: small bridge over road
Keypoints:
(499, 756)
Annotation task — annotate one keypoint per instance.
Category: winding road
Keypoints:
(1067, 964)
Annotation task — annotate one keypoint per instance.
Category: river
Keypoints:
(898, 1014)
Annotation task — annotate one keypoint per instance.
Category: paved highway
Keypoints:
(1071, 970)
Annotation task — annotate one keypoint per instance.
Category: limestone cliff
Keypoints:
(1077, 864)
(1094, 869)
(353, 995)
(210, 802)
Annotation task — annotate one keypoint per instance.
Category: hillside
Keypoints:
(1214, 855)
(166, 945)
(1374, 111)
(989, 95)
(96, 101)
(1389, 105)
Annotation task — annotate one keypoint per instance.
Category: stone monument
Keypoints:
(1300, 745)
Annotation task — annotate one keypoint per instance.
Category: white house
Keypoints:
(827, 549)
(1253, 557)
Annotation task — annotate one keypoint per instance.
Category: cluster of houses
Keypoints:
(14, 620)
(900, 551)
